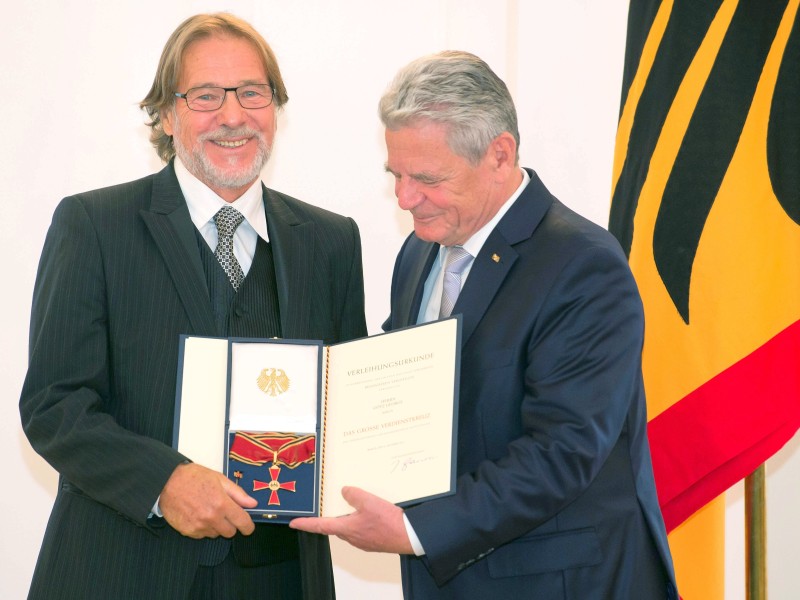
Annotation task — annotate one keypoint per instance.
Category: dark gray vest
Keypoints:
(252, 311)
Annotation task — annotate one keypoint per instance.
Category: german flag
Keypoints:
(706, 203)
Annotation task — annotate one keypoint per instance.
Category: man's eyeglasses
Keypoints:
(204, 99)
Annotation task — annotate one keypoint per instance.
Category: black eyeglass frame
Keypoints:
(225, 90)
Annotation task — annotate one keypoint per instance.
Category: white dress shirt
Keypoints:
(204, 203)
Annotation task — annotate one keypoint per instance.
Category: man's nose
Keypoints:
(231, 111)
(407, 192)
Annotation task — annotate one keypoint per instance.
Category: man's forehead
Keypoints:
(423, 155)
(209, 60)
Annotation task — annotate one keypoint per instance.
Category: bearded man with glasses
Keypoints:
(200, 248)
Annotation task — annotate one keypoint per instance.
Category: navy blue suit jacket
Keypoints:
(555, 495)
(119, 280)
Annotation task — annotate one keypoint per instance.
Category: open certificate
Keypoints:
(391, 415)
(293, 421)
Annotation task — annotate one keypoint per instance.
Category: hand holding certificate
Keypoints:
(373, 525)
(294, 422)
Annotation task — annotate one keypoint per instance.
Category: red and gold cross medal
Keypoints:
(274, 485)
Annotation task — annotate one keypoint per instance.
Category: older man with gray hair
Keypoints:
(555, 495)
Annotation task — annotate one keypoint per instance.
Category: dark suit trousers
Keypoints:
(231, 581)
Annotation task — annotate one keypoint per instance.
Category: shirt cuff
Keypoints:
(156, 510)
(412, 537)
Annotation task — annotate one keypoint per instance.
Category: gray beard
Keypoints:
(197, 163)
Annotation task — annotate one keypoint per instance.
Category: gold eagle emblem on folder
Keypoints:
(273, 381)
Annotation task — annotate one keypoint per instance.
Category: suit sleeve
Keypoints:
(578, 373)
(65, 398)
(353, 318)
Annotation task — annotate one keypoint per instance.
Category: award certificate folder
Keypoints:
(294, 421)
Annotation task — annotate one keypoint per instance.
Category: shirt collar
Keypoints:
(203, 202)
(474, 244)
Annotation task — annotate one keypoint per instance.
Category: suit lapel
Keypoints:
(416, 259)
(292, 242)
(497, 256)
(173, 232)
(485, 279)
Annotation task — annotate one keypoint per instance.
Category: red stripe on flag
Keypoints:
(722, 431)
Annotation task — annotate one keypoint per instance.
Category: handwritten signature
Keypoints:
(400, 465)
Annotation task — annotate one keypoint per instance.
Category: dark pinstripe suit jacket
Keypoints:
(119, 279)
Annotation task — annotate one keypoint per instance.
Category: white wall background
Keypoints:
(71, 75)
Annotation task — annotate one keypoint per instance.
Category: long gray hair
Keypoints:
(161, 96)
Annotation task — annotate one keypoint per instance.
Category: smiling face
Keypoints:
(226, 148)
(449, 198)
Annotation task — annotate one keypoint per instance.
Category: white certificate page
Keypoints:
(391, 410)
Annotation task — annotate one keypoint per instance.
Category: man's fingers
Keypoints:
(353, 496)
(240, 521)
(238, 495)
(199, 502)
(321, 525)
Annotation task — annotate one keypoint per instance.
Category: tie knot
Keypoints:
(227, 220)
(457, 260)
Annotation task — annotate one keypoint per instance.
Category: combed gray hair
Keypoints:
(456, 89)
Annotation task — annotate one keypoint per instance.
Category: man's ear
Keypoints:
(502, 154)
(166, 121)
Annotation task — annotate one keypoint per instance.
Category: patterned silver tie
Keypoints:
(227, 220)
(457, 260)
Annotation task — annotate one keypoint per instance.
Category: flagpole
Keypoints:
(756, 534)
